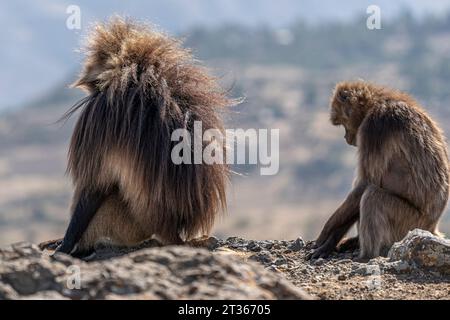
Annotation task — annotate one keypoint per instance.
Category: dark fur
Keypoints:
(143, 85)
(403, 171)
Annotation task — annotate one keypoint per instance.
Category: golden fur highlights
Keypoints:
(142, 85)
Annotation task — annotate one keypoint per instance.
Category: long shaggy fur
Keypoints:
(142, 86)
(403, 171)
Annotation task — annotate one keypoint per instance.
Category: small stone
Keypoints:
(267, 244)
(273, 268)
(280, 261)
(45, 295)
(297, 245)
(264, 257)
(212, 243)
(26, 249)
(344, 261)
(401, 266)
(318, 262)
(7, 292)
(342, 277)
(355, 266)
(365, 270)
(253, 246)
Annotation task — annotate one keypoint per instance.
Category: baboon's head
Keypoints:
(349, 105)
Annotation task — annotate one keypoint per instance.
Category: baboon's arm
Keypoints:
(88, 204)
(339, 223)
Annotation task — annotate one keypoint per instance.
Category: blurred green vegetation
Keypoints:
(419, 48)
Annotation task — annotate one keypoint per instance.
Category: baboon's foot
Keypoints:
(84, 254)
(312, 245)
(178, 242)
(50, 244)
(173, 240)
(323, 252)
(348, 244)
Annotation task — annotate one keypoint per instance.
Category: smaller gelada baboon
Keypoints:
(402, 179)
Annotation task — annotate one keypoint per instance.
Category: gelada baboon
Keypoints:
(141, 85)
(403, 173)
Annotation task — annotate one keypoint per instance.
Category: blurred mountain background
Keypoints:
(284, 57)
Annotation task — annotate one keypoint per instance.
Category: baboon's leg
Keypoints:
(384, 219)
(115, 224)
(86, 206)
(338, 224)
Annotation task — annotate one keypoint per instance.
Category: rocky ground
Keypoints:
(235, 268)
(416, 268)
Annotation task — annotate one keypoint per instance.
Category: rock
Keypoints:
(263, 257)
(45, 295)
(367, 270)
(344, 261)
(297, 245)
(342, 277)
(280, 261)
(253, 246)
(318, 262)
(210, 243)
(7, 292)
(397, 266)
(180, 272)
(236, 243)
(421, 249)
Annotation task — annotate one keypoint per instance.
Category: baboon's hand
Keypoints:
(314, 245)
(322, 239)
(349, 244)
(64, 248)
(50, 244)
(322, 251)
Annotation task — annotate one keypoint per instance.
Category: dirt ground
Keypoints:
(340, 277)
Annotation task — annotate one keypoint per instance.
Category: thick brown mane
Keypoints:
(143, 85)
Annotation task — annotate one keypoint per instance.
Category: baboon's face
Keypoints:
(344, 113)
(350, 137)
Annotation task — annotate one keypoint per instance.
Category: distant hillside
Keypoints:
(39, 51)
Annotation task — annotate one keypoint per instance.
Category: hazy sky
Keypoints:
(38, 51)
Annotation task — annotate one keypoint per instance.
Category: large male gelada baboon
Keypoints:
(142, 85)
(403, 173)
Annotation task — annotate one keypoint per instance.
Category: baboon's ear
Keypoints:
(342, 96)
